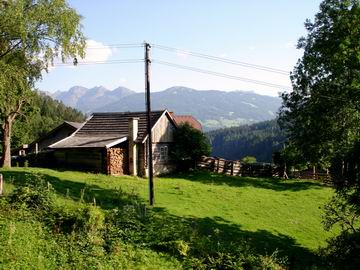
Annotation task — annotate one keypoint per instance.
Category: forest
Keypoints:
(43, 115)
(259, 140)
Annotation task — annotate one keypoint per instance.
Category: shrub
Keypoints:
(190, 145)
(343, 250)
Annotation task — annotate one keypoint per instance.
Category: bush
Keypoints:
(343, 210)
(249, 159)
(191, 144)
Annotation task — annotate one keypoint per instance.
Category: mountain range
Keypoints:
(88, 99)
(213, 108)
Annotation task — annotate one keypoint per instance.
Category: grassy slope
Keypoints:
(271, 214)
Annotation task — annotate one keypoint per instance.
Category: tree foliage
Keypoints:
(32, 34)
(322, 115)
(44, 115)
(190, 145)
(249, 159)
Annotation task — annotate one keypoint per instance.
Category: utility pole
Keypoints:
(148, 116)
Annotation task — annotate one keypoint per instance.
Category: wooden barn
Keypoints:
(116, 143)
(60, 132)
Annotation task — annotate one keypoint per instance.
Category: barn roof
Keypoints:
(182, 119)
(75, 125)
(108, 129)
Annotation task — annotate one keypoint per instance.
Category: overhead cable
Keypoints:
(223, 75)
(223, 60)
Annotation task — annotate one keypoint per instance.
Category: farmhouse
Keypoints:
(116, 143)
(60, 132)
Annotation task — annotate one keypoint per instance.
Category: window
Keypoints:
(163, 153)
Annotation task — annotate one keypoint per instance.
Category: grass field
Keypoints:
(270, 214)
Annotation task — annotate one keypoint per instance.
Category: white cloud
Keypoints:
(96, 52)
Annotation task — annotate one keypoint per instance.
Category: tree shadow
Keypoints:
(104, 198)
(275, 184)
(216, 230)
(261, 241)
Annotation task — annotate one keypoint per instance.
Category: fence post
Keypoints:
(1, 184)
(232, 167)
(218, 165)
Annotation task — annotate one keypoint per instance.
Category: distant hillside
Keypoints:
(46, 114)
(86, 99)
(213, 108)
(259, 140)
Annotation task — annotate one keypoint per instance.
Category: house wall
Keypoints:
(163, 139)
(85, 159)
(163, 131)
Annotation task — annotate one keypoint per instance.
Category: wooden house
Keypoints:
(60, 132)
(116, 143)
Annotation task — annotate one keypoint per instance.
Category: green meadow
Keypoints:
(278, 220)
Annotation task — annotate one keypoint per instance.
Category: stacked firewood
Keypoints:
(117, 161)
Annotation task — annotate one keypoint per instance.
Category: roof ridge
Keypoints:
(128, 112)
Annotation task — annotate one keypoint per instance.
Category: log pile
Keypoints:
(117, 161)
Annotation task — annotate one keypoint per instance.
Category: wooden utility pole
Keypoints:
(1, 184)
(148, 116)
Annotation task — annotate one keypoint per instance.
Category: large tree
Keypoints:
(322, 117)
(322, 113)
(32, 34)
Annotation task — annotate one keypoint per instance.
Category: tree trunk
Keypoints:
(6, 145)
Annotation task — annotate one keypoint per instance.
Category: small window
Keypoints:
(163, 153)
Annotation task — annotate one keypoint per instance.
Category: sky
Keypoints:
(258, 32)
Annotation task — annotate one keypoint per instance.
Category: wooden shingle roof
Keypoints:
(104, 129)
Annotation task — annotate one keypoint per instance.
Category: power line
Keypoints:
(85, 63)
(223, 60)
(223, 75)
(127, 45)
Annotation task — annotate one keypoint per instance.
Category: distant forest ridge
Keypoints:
(259, 140)
(213, 108)
(44, 115)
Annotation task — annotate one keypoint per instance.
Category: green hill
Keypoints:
(259, 140)
(200, 221)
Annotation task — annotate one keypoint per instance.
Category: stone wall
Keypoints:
(117, 161)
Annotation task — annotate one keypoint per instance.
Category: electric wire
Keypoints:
(128, 45)
(223, 75)
(223, 60)
(85, 63)
(195, 54)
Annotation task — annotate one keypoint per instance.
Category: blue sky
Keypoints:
(259, 32)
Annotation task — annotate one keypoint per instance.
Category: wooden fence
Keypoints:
(231, 167)
(310, 174)
(238, 168)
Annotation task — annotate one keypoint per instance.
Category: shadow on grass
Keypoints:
(276, 184)
(105, 198)
(261, 241)
(229, 234)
